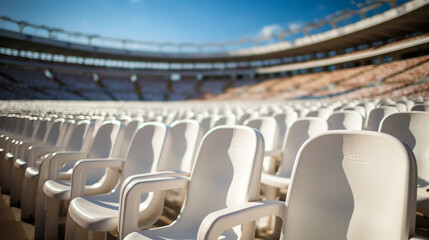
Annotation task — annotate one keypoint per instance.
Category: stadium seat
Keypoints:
(412, 129)
(322, 113)
(345, 120)
(18, 151)
(376, 115)
(96, 183)
(420, 107)
(269, 129)
(296, 135)
(225, 120)
(51, 140)
(340, 193)
(284, 120)
(226, 172)
(148, 153)
(37, 176)
(35, 156)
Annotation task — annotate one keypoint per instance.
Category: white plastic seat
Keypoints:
(376, 115)
(148, 153)
(298, 133)
(96, 182)
(224, 120)
(420, 107)
(208, 122)
(226, 173)
(359, 109)
(186, 138)
(36, 176)
(12, 131)
(284, 120)
(412, 128)
(268, 127)
(402, 107)
(322, 113)
(71, 139)
(345, 120)
(242, 118)
(7, 137)
(338, 190)
(275, 181)
(19, 156)
(50, 141)
(31, 133)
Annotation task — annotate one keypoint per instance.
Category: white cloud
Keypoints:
(269, 30)
(293, 26)
(135, 1)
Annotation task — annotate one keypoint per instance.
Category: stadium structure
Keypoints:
(338, 107)
(379, 49)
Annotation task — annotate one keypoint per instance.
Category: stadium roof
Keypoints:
(408, 18)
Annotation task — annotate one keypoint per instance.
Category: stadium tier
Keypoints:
(385, 51)
(328, 129)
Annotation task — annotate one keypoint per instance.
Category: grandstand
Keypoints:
(336, 62)
(364, 70)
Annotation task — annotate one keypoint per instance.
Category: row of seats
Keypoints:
(369, 81)
(107, 169)
(353, 83)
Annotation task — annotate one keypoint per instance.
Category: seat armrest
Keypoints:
(60, 158)
(418, 238)
(154, 175)
(24, 147)
(273, 153)
(131, 195)
(275, 181)
(34, 152)
(81, 167)
(218, 222)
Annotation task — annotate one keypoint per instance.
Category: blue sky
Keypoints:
(197, 21)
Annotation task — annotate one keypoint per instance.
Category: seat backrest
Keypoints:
(368, 106)
(186, 136)
(420, 107)
(207, 122)
(268, 127)
(20, 127)
(66, 131)
(31, 127)
(54, 132)
(225, 120)
(412, 128)
(77, 137)
(4, 122)
(242, 118)
(148, 150)
(102, 147)
(320, 113)
(359, 109)
(124, 139)
(12, 124)
(226, 173)
(284, 120)
(98, 121)
(105, 139)
(42, 129)
(402, 107)
(376, 115)
(345, 120)
(339, 188)
(296, 135)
